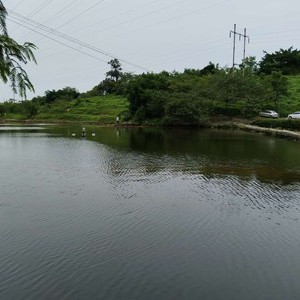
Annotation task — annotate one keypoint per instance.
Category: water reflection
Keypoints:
(208, 152)
(148, 214)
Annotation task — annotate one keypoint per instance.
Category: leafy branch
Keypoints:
(12, 57)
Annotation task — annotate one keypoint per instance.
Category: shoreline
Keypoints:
(233, 124)
(283, 133)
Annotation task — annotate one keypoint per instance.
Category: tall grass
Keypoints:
(102, 109)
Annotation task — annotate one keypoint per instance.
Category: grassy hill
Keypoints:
(102, 109)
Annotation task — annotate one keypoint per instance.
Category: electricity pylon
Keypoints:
(244, 36)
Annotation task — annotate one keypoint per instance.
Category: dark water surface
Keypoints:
(148, 214)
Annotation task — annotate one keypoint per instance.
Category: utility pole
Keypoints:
(244, 36)
(233, 51)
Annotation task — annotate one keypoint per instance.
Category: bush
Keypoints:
(182, 109)
(227, 110)
(30, 108)
(2, 110)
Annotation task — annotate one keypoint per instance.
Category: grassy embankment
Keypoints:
(101, 109)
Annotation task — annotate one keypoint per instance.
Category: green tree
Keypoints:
(12, 107)
(115, 82)
(30, 108)
(115, 70)
(185, 109)
(144, 89)
(12, 57)
(249, 64)
(285, 61)
(278, 87)
(67, 93)
(227, 87)
(239, 93)
(2, 110)
(209, 69)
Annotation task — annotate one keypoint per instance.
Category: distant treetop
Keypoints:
(285, 61)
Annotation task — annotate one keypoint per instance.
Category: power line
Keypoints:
(122, 13)
(41, 7)
(37, 10)
(91, 7)
(61, 12)
(18, 4)
(61, 35)
(170, 19)
(189, 55)
(142, 16)
(187, 52)
(64, 44)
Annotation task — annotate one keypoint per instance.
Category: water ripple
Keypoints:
(90, 221)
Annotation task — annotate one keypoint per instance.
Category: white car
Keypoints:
(295, 115)
(269, 114)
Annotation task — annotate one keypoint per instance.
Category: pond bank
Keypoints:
(239, 124)
(246, 125)
(271, 131)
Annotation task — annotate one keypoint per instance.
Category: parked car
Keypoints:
(269, 114)
(295, 115)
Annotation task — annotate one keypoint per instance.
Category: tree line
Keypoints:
(190, 97)
(194, 95)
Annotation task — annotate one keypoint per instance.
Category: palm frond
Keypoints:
(12, 57)
(3, 14)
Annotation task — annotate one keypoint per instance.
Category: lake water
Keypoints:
(148, 214)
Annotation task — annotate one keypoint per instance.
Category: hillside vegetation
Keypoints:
(291, 102)
(100, 109)
(192, 97)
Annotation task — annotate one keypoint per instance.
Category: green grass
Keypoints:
(291, 103)
(15, 116)
(101, 109)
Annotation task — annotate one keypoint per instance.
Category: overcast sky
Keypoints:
(146, 35)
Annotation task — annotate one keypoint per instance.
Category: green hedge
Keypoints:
(278, 123)
(225, 110)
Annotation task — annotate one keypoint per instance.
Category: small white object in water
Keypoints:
(93, 134)
(73, 134)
